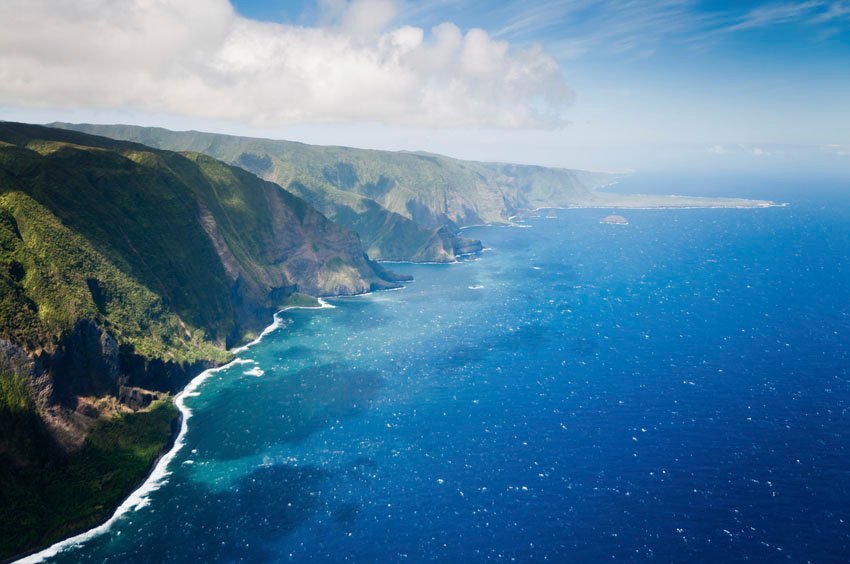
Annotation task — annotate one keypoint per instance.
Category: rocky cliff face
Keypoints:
(124, 272)
(87, 377)
(288, 246)
(84, 380)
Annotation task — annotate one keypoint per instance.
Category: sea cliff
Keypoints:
(124, 272)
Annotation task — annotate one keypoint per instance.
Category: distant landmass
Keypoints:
(405, 206)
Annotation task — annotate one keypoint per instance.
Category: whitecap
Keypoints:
(256, 371)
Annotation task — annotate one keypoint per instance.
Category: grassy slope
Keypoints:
(50, 277)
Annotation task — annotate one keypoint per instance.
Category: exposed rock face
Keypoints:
(24, 439)
(15, 360)
(157, 374)
(464, 246)
(290, 248)
(137, 398)
(88, 377)
(86, 364)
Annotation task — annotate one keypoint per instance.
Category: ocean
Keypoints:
(671, 390)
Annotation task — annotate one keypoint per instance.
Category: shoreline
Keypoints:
(155, 478)
(31, 554)
(158, 473)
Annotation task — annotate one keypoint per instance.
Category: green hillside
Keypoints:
(217, 245)
(404, 206)
(124, 271)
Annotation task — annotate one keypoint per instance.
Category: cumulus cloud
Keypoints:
(200, 58)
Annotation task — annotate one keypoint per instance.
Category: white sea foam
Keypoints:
(412, 262)
(278, 323)
(256, 371)
(141, 496)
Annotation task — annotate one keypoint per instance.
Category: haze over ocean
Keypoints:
(675, 389)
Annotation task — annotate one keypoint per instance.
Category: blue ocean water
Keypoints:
(671, 390)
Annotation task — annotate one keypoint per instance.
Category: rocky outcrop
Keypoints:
(615, 220)
(464, 246)
(137, 398)
(158, 375)
(14, 360)
(89, 377)
(85, 364)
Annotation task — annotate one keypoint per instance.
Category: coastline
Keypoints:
(155, 478)
(639, 202)
(158, 473)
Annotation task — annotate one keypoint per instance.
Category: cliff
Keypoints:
(404, 206)
(124, 272)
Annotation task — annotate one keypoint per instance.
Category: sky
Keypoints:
(595, 84)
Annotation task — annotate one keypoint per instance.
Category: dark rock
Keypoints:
(158, 375)
(85, 364)
(137, 398)
(464, 246)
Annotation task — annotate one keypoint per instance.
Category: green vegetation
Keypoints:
(39, 507)
(123, 265)
(14, 395)
(175, 255)
(299, 300)
(396, 202)
(54, 277)
(23, 436)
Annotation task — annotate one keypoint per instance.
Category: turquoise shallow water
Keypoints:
(674, 389)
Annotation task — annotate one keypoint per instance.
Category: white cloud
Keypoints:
(199, 58)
